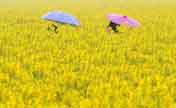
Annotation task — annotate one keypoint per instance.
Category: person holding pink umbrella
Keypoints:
(118, 20)
(113, 26)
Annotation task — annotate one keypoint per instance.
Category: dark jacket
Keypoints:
(113, 26)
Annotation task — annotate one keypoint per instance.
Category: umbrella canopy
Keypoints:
(61, 17)
(124, 20)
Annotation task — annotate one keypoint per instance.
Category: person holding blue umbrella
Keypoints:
(54, 27)
(62, 18)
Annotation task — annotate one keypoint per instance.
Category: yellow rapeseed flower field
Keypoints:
(86, 67)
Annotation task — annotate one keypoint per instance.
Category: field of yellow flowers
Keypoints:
(86, 67)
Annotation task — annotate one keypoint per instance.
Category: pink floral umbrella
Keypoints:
(123, 20)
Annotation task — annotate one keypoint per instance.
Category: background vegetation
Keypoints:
(86, 67)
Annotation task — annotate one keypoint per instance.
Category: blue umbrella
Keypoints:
(61, 17)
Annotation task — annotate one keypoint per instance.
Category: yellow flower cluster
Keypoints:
(86, 67)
